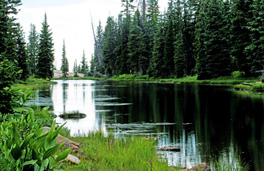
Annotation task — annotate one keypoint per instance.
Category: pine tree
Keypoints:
(22, 57)
(98, 51)
(188, 33)
(168, 58)
(46, 54)
(137, 47)
(213, 58)
(75, 68)
(84, 66)
(33, 49)
(64, 61)
(255, 50)
(109, 47)
(157, 62)
(8, 62)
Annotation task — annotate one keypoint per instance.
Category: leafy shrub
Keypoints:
(22, 145)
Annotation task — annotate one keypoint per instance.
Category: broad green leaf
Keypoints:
(63, 155)
(44, 164)
(50, 152)
(26, 141)
(31, 162)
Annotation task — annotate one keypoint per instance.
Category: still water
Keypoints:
(207, 122)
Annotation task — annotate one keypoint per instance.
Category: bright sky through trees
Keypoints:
(70, 20)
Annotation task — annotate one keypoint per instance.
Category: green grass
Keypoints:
(256, 87)
(32, 84)
(106, 153)
(235, 78)
(78, 78)
(98, 152)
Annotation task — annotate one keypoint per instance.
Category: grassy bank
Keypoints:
(106, 153)
(188, 79)
(78, 78)
(255, 87)
(32, 84)
(98, 152)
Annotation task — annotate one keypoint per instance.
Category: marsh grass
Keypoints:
(256, 87)
(79, 78)
(32, 84)
(108, 153)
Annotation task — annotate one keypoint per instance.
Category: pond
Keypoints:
(208, 123)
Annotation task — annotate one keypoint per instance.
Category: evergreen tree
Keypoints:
(46, 54)
(75, 69)
(179, 56)
(84, 66)
(188, 33)
(33, 49)
(98, 51)
(157, 62)
(109, 47)
(64, 62)
(8, 61)
(255, 50)
(124, 59)
(168, 58)
(213, 58)
(150, 28)
(137, 47)
(22, 57)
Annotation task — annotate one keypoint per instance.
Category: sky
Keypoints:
(70, 20)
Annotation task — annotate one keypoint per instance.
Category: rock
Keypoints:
(170, 149)
(68, 143)
(200, 167)
(73, 159)
(61, 139)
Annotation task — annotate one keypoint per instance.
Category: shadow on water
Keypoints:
(208, 123)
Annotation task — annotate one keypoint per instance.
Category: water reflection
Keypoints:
(208, 123)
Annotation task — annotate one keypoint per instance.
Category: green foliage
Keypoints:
(8, 76)
(107, 153)
(23, 146)
(22, 56)
(125, 77)
(33, 49)
(64, 62)
(46, 54)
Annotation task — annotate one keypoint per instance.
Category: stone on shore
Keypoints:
(73, 159)
(200, 167)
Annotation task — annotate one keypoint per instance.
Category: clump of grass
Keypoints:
(256, 87)
(79, 78)
(72, 115)
(108, 153)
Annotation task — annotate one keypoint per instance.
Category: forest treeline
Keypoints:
(18, 59)
(210, 38)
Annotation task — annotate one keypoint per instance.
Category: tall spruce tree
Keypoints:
(157, 62)
(109, 47)
(8, 61)
(64, 61)
(22, 57)
(46, 54)
(136, 47)
(255, 50)
(213, 58)
(84, 65)
(33, 49)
